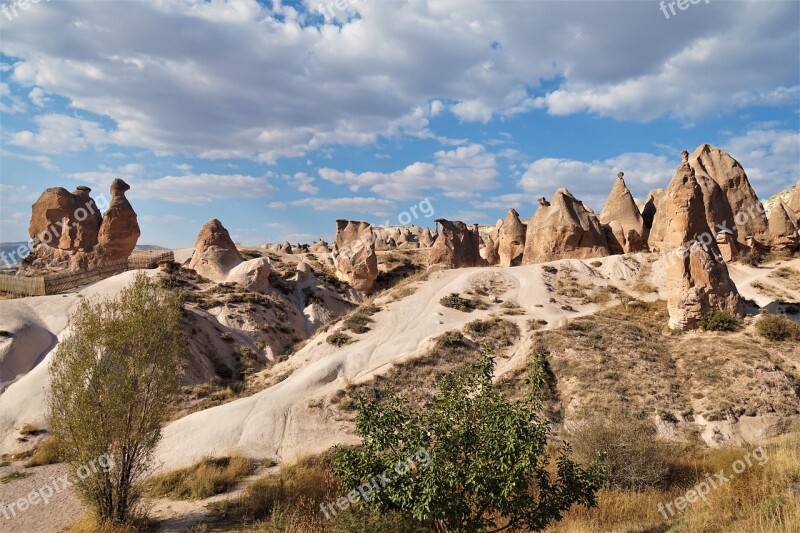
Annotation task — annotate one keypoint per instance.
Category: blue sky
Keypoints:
(280, 117)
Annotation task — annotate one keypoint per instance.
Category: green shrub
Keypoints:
(777, 328)
(719, 321)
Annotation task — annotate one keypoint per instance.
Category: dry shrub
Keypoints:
(634, 458)
(47, 453)
(207, 478)
(777, 328)
(494, 332)
(339, 339)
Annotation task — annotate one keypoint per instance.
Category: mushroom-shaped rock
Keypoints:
(119, 231)
(564, 229)
(354, 254)
(457, 246)
(624, 220)
(512, 240)
(696, 276)
(783, 227)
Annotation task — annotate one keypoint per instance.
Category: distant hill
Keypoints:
(8, 251)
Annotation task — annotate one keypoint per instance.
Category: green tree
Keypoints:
(488, 461)
(112, 382)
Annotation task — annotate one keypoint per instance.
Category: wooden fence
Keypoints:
(64, 281)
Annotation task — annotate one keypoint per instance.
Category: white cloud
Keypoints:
(38, 97)
(385, 72)
(61, 133)
(43, 160)
(363, 205)
(771, 158)
(301, 182)
(465, 169)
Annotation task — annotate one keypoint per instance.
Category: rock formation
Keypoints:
(119, 230)
(66, 221)
(215, 253)
(69, 232)
(565, 229)
(489, 251)
(696, 276)
(512, 240)
(794, 202)
(624, 222)
(217, 258)
(747, 212)
(426, 239)
(457, 246)
(783, 228)
(354, 254)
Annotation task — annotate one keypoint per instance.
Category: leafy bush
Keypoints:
(470, 444)
(719, 321)
(777, 328)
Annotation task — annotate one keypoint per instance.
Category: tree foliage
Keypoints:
(489, 467)
(112, 381)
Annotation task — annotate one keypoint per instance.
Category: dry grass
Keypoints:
(769, 290)
(493, 332)
(465, 305)
(45, 454)
(358, 322)
(200, 481)
(761, 499)
(415, 378)
(90, 524)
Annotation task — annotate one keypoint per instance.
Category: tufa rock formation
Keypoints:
(119, 230)
(68, 231)
(747, 212)
(565, 229)
(489, 251)
(696, 276)
(624, 223)
(512, 240)
(354, 254)
(783, 228)
(730, 203)
(217, 258)
(457, 246)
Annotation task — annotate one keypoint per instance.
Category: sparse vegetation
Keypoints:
(14, 476)
(339, 339)
(454, 301)
(777, 328)
(205, 479)
(719, 321)
(493, 332)
(358, 322)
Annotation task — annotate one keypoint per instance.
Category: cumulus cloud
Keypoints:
(162, 71)
(61, 133)
(455, 172)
